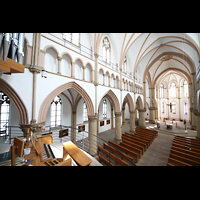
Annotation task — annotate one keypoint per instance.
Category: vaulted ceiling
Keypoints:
(150, 55)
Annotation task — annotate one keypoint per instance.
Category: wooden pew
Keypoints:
(107, 153)
(127, 151)
(104, 160)
(185, 160)
(175, 162)
(185, 147)
(147, 130)
(186, 144)
(146, 135)
(136, 146)
(187, 151)
(185, 155)
(135, 141)
(132, 149)
(140, 137)
(113, 150)
(187, 140)
(133, 144)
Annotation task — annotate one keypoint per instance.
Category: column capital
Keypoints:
(96, 55)
(142, 110)
(92, 117)
(132, 111)
(59, 58)
(118, 113)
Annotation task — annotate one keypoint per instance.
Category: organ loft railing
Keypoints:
(84, 140)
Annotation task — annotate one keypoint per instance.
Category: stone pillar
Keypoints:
(92, 139)
(198, 126)
(118, 130)
(123, 116)
(96, 82)
(114, 81)
(152, 115)
(142, 122)
(59, 64)
(35, 70)
(144, 93)
(73, 69)
(132, 121)
(84, 72)
(73, 131)
(111, 118)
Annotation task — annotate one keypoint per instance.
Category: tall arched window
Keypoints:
(56, 111)
(85, 117)
(163, 107)
(185, 108)
(161, 91)
(106, 50)
(185, 87)
(104, 108)
(173, 90)
(4, 111)
(125, 64)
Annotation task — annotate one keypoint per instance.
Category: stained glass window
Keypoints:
(161, 91)
(104, 108)
(85, 117)
(106, 50)
(56, 111)
(173, 90)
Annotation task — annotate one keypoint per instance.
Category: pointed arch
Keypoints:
(17, 101)
(139, 103)
(73, 85)
(113, 98)
(128, 99)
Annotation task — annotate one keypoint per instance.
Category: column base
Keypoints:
(142, 126)
(118, 140)
(131, 131)
(152, 121)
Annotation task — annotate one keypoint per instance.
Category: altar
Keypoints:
(169, 126)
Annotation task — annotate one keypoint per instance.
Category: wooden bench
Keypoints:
(138, 139)
(147, 130)
(135, 141)
(174, 162)
(186, 144)
(155, 134)
(187, 138)
(113, 150)
(125, 150)
(146, 135)
(185, 147)
(185, 155)
(107, 153)
(104, 160)
(187, 151)
(136, 146)
(185, 160)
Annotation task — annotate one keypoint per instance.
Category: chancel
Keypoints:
(99, 99)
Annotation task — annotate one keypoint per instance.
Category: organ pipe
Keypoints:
(12, 43)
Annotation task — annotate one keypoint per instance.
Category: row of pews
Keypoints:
(185, 151)
(132, 145)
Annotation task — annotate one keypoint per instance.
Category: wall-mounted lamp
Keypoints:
(44, 73)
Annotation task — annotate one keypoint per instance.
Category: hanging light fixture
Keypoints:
(44, 73)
